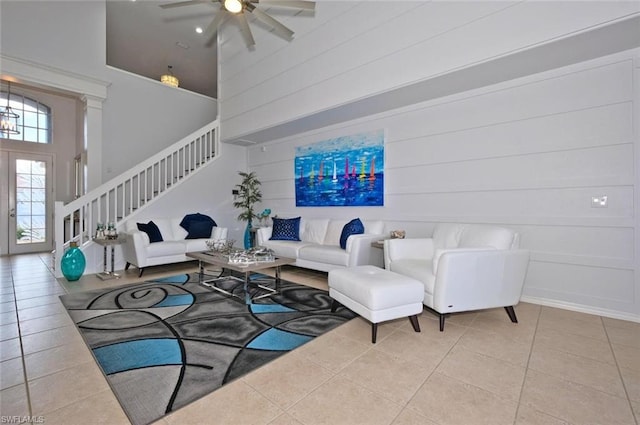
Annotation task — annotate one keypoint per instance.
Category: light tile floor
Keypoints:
(554, 367)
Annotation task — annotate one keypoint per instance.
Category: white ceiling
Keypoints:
(144, 39)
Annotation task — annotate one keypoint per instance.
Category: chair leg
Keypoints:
(512, 314)
(334, 306)
(414, 322)
(127, 266)
(141, 271)
(374, 332)
(442, 316)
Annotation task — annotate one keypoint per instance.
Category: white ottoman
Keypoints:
(376, 294)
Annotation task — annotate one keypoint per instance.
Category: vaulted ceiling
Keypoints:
(144, 39)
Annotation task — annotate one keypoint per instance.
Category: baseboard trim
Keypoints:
(582, 308)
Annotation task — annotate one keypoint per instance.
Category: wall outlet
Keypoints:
(599, 201)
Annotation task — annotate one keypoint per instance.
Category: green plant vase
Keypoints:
(247, 236)
(73, 263)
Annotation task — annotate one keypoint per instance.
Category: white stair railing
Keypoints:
(135, 189)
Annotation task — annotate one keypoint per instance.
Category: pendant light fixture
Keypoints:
(8, 118)
(170, 79)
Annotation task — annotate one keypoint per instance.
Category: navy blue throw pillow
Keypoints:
(197, 217)
(151, 229)
(199, 230)
(354, 227)
(286, 229)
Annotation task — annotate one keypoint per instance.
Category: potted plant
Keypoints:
(248, 195)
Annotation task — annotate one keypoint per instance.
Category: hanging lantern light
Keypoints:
(169, 79)
(8, 118)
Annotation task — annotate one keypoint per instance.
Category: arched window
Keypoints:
(34, 123)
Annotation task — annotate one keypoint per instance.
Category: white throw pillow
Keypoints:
(334, 231)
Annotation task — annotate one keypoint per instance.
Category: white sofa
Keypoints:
(319, 245)
(463, 267)
(139, 251)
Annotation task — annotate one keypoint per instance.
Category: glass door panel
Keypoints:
(30, 203)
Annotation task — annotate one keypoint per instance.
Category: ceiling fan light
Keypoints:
(233, 6)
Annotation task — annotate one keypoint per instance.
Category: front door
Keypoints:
(30, 203)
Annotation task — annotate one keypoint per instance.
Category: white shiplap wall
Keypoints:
(528, 154)
(352, 50)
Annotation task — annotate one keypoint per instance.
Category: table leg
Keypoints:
(112, 255)
(104, 259)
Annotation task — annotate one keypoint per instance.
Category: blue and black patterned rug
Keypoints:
(164, 343)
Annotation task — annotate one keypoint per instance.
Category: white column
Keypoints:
(93, 140)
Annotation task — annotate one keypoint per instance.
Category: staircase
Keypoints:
(124, 196)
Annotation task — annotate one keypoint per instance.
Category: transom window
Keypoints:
(34, 123)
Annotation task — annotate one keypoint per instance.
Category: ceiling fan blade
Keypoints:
(212, 29)
(299, 4)
(246, 31)
(183, 3)
(277, 26)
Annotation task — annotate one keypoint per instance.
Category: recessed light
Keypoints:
(199, 30)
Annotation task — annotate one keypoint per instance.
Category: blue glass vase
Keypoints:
(247, 235)
(73, 263)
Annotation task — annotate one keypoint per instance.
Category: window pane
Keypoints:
(38, 195)
(23, 166)
(37, 208)
(23, 195)
(23, 208)
(39, 168)
(37, 182)
(30, 119)
(30, 134)
(43, 121)
(43, 136)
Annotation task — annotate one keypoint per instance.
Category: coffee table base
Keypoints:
(246, 284)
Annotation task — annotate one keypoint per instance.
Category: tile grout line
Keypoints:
(24, 364)
(624, 385)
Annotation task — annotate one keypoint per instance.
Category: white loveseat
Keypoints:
(319, 245)
(463, 267)
(141, 252)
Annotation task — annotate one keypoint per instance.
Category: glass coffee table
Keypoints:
(244, 268)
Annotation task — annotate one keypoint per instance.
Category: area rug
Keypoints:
(164, 343)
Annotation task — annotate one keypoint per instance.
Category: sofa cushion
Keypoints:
(200, 229)
(478, 236)
(354, 227)
(334, 230)
(195, 245)
(289, 249)
(286, 229)
(152, 230)
(447, 235)
(313, 229)
(324, 254)
(188, 219)
(420, 269)
(166, 248)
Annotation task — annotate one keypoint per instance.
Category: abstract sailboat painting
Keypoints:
(318, 183)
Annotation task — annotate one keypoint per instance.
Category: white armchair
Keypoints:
(463, 267)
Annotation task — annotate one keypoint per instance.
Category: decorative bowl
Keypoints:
(223, 246)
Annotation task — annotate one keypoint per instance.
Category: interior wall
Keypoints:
(331, 60)
(68, 35)
(141, 117)
(528, 154)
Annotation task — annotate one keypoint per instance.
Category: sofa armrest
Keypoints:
(479, 278)
(362, 253)
(263, 234)
(135, 247)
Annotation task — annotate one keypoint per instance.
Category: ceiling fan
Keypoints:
(237, 8)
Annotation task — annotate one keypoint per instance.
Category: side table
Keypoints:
(105, 275)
